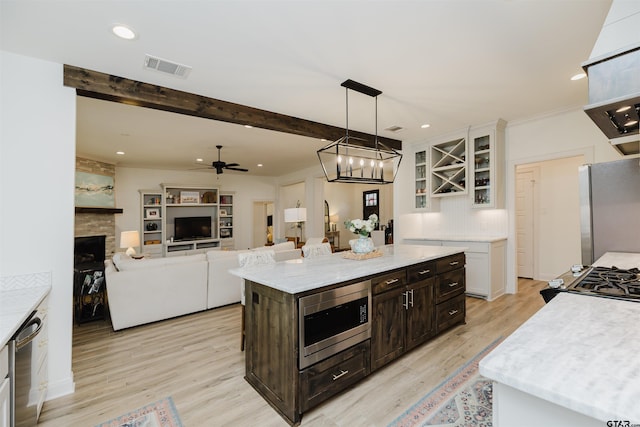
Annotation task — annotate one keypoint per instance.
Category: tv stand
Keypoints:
(189, 247)
(160, 208)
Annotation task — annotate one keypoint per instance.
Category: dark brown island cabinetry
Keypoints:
(409, 306)
(450, 302)
(403, 312)
(412, 305)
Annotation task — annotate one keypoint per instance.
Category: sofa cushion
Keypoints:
(285, 246)
(119, 259)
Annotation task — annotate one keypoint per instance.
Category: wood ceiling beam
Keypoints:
(99, 85)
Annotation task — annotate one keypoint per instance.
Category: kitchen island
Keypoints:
(575, 362)
(404, 298)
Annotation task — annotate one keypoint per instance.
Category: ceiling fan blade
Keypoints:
(237, 169)
(232, 164)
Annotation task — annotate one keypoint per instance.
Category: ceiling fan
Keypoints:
(219, 166)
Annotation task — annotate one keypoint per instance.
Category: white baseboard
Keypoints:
(61, 388)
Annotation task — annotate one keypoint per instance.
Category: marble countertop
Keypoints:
(304, 274)
(19, 296)
(579, 352)
(479, 239)
(624, 260)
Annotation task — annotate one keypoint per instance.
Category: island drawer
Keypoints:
(388, 281)
(421, 271)
(332, 375)
(449, 284)
(450, 263)
(450, 312)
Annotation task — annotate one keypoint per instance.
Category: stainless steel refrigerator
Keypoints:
(609, 208)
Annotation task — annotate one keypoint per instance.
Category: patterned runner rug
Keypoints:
(462, 400)
(162, 413)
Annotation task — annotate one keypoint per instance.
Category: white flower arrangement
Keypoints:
(362, 227)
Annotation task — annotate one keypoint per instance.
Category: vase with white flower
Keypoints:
(363, 244)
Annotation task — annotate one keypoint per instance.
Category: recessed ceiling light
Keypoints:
(424, 126)
(123, 32)
(120, 153)
(259, 165)
(248, 126)
(199, 160)
(578, 76)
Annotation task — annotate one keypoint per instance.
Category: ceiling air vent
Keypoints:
(394, 128)
(164, 66)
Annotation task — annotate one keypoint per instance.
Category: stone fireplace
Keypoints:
(96, 221)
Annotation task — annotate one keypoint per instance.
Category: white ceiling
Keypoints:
(447, 63)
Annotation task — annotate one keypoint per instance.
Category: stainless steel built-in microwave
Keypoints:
(333, 320)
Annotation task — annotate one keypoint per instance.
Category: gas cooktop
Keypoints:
(610, 282)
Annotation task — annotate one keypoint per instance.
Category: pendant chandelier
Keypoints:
(354, 160)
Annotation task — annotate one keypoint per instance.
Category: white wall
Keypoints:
(557, 135)
(557, 228)
(561, 135)
(37, 159)
(247, 190)
(289, 197)
(345, 200)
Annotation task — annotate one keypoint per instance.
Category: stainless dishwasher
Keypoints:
(21, 372)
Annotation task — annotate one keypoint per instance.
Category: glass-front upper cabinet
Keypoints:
(422, 196)
(421, 179)
(487, 165)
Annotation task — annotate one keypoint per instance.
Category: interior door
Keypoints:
(525, 182)
(371, 205)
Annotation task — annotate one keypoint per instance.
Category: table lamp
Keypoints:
(298, 215)
(129, 239)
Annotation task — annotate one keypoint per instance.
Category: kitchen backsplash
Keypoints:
(455, 218)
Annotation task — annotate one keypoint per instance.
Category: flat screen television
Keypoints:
(192, 228)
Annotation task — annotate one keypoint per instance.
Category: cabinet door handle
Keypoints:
(452, 312)
(454, 263)
(424, 271)
(391, 281)
(453, 284)
(411, 297)
(405, 300)
(341, 374)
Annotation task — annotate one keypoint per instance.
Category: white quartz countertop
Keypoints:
(19, 296)
(299, 275)
(580, 352)
(478, 239)
(624, 260)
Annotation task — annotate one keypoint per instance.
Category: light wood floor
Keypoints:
(196, 360)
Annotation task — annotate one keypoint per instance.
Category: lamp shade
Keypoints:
(129, 240)
(295, 215)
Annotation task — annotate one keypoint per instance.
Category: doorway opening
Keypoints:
(547, 217)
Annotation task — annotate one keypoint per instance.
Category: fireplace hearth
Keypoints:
(89, 287)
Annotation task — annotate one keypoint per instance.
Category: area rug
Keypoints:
(462, 400)
(162, 413)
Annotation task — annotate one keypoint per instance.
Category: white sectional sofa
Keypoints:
(152, 289)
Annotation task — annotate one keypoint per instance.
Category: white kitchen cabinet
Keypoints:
(485, 264)
(486, 179)
(423, 200)
(513, 407)
(5, 388)
(448, 171)
(40, 359)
